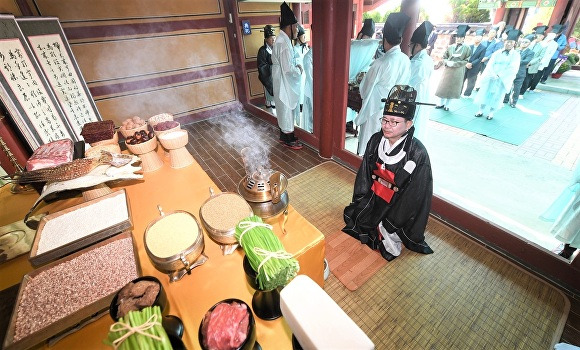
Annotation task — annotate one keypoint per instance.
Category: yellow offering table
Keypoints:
(221, 277)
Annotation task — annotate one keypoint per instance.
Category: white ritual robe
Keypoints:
(362, 54)
(497, 78)
(299, 53)
(308, 110)
(286, 81)
(392, 68)
(422, 68)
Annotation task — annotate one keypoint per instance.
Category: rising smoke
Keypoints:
(242, 133)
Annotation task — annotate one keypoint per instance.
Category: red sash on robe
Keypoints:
(380, 189)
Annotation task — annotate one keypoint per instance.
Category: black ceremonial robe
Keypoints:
(265, 69)
(404, 209)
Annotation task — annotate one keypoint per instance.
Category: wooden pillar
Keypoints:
(558, 13)
(358, 20)
(237, 50)
(411, 9)
(499, 14)
(332, 23)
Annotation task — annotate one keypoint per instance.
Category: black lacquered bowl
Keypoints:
(172, 324)
(265, 303)
(250, 341)
(160, 301)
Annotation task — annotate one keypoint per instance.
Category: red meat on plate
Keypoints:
(51, 154)
(227, 328)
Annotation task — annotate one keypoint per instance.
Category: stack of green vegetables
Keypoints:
(262, 247)
(152, 336)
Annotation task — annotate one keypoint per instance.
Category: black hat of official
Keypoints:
(301, 30)
(480, 32)
(395, 26)
(558, 28)
(401, 102)
(287, 16)
(507, 28)
(421, 34)
(514, 34)
(368, 28)
(530, 37)
(268, 31)
(540, 30)
(462, 30)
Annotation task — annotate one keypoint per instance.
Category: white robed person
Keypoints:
(300, 50)
(362, 54)
(286, 75)
(498, 76)
(422, 68)
(392, 68)
(308, 110)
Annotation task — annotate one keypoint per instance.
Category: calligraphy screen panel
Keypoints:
(25, 92)
(53, 53)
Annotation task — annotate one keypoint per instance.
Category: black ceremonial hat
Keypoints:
(368, 28)
(401, 102)
(558, 28)
(301, 30)
(540, 29)
(268, 31)
(480, 32)
(513, 34)
(421, 34)
(286, 15)
(395, 26)
(462, 30)
(508, 28)
(530, 37)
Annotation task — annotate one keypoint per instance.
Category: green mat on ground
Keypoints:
(511, 125)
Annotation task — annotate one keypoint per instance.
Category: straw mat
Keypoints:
(461, 297)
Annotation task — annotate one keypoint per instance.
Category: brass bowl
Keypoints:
(263, 190)
(182, 262)
(270, 209)
(219, 235)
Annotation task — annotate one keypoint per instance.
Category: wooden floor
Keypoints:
(217, 149)
(215, 144)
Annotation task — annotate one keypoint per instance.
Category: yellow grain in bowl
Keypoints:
(225, 211)
(171, 235)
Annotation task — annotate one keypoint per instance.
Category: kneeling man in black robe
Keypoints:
(393, 187)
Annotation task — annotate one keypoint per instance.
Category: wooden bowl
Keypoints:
(174, 139)
(144, 147)
(163, 117)
(130, 132)
(161, 132)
